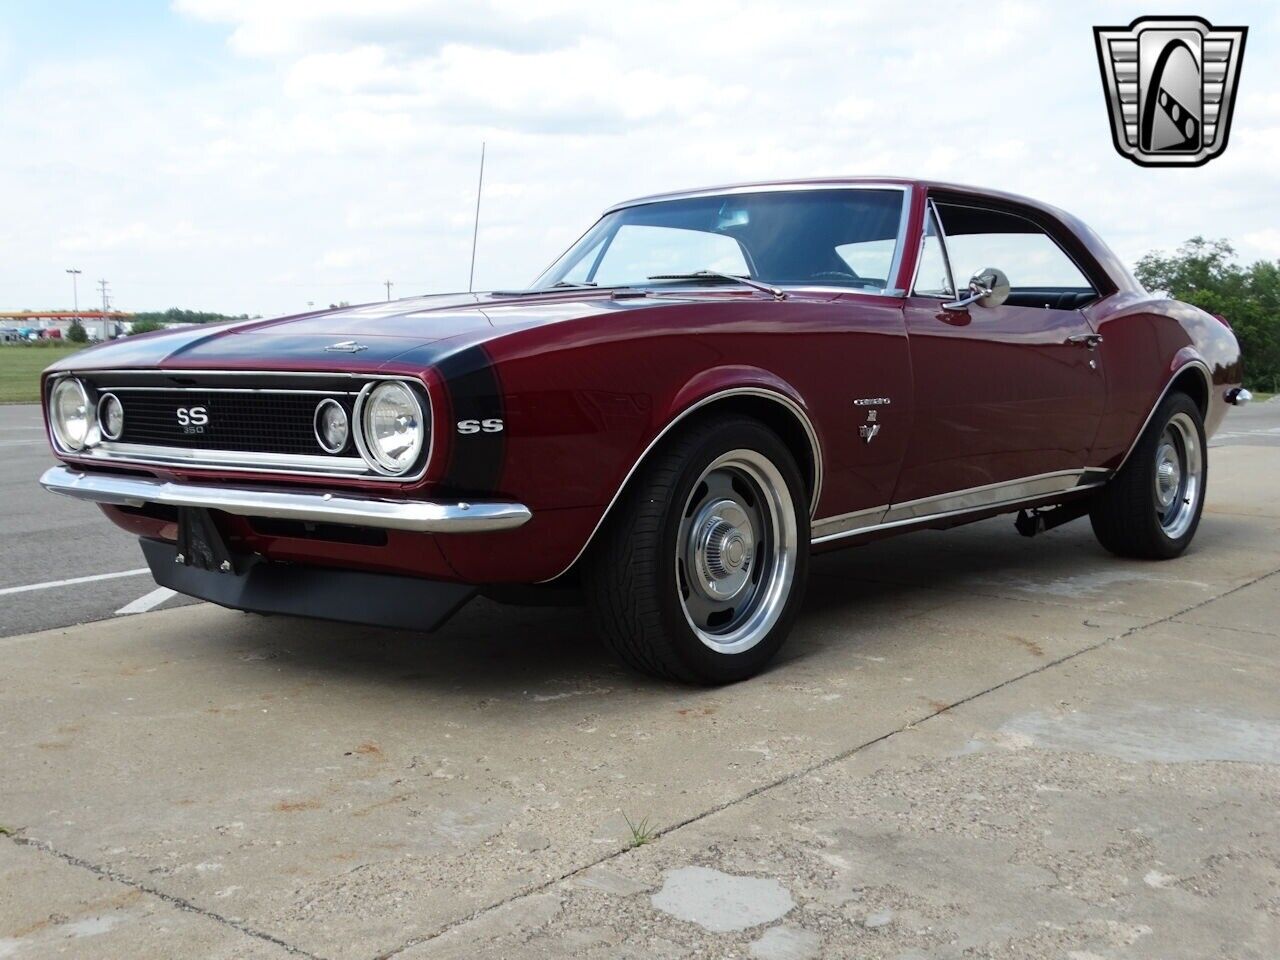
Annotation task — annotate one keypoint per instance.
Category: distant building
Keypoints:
(33, 325)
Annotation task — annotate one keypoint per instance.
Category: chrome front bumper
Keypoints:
(420, 516)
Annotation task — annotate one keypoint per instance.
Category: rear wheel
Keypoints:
(1152, 507)
(699, 572)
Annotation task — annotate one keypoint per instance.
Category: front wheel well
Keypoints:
(778, 417)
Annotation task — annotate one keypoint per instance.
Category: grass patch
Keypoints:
(641, 833)
(5, 831)
(21, 365)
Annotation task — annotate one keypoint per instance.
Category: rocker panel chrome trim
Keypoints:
(957, 503)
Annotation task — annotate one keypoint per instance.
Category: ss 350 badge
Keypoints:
(1171, 87)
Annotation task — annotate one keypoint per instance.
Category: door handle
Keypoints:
(1090, 340)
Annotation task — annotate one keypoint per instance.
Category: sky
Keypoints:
(256, 156)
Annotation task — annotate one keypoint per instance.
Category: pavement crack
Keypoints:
(812, 768)
(180, 902)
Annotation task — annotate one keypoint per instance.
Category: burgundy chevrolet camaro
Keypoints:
(707, 387)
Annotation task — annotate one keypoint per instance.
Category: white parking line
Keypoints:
(147, 602)
(49, 584)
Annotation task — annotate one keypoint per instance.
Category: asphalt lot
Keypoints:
(975, 745)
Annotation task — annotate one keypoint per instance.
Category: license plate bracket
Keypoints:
(200, 545)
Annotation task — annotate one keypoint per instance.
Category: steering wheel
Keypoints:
(844, 276)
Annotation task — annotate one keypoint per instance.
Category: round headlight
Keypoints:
(70, 413)
(332, 426)
(110, 416)
(392, 427)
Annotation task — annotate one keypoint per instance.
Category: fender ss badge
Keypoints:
(345, 346)
(1170, 84)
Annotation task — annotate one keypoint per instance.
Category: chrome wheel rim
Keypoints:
(736, 551)
(1178, 475)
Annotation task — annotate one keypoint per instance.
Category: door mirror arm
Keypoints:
(990, 288)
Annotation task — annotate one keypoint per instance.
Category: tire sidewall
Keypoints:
(1174, 404)
(708, 665)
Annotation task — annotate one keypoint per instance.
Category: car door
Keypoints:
(1008, 398)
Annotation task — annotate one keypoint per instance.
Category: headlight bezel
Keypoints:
(367, 446)
(58, 426)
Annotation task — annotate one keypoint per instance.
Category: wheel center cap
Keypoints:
(722, 550)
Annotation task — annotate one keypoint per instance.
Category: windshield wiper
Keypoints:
(777, 293)
(556, 287)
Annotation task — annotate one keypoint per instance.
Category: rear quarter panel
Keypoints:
(1147, 342)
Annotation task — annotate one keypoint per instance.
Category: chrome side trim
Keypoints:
(419, 516)
(975, 498)
(958, 503)
(828, 528)
(796, 410)
(1208, 383)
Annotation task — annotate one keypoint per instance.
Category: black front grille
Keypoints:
(251, 422)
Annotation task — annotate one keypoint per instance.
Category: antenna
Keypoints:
(388, 285)
(471, 281)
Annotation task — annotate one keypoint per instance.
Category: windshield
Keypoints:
(830, 238)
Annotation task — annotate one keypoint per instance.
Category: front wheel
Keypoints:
(1152, 507)
(699, 573)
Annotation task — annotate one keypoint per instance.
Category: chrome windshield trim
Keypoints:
(418, 516)
(759, 188)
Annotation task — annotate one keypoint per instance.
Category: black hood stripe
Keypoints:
(475, 394)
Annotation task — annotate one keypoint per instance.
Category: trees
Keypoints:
(76, 332)
(1206, 273)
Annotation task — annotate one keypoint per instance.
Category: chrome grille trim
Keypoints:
(242, 461)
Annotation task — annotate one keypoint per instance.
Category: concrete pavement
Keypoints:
(975, 742)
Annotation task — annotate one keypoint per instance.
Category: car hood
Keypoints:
(361, 338)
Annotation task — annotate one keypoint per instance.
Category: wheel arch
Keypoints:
(783, 414)
(1191, 377)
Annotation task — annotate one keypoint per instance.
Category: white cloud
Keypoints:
(335, 144)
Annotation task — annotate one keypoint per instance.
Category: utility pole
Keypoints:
(75, 293)
(102, 285)
(387, 284)
(475, 235)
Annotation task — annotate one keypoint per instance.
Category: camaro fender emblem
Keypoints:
(345, 346)
(1170, 84)
(869, 429)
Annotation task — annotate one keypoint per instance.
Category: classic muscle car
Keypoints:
(704, 389)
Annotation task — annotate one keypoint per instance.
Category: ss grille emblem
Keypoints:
(192, 419)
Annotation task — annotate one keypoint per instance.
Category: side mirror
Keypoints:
(989, 288)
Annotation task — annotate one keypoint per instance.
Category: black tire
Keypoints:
(1128, 516)
(636, 573)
